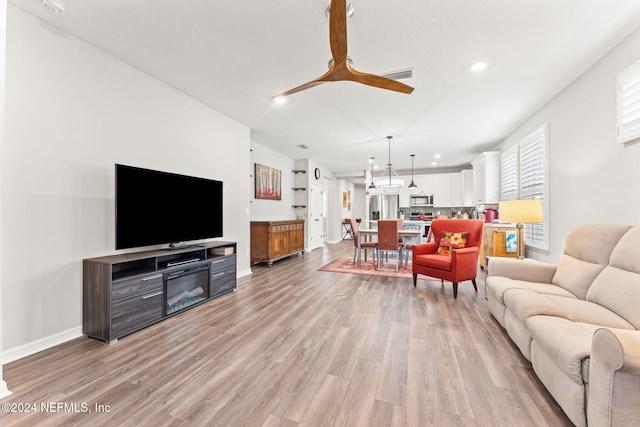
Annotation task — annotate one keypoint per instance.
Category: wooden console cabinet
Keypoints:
(125, 293)
(494, 243)
(274, 240)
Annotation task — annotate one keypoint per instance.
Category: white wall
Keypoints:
(592, 179)
(3, 36)
(272, 210)
(72, 112)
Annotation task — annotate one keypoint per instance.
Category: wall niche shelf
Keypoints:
(297, 171)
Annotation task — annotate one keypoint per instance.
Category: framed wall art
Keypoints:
(268, 182)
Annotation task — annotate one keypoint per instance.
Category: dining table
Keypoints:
(369, 233)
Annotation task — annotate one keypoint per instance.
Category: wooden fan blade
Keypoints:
(299, 88)
(379, 81)
(338, 31)
(330, 76)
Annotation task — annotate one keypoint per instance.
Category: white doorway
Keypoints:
(316, 220)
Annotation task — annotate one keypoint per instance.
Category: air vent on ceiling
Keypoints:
(399, 75)
(54, 6)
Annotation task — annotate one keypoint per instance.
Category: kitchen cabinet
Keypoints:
(426, 184)
(466, 187)
(442, 190)
(456, 190)
(486, 178)
(405, 192)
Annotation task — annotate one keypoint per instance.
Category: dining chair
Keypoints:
(410, 241)
(388, 240)
(372, 246)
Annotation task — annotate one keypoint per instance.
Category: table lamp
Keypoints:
(520, 212)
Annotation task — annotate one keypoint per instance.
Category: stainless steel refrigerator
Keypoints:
(384, 206)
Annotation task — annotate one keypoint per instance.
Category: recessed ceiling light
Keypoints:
(437, 156)
(478, 66)
(280, 99)
(434, 163)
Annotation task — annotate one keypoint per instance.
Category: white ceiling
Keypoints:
(234, 55)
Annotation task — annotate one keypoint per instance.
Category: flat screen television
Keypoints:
(154, 207)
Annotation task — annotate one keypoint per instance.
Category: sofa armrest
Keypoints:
(522, 270)
(614, 378)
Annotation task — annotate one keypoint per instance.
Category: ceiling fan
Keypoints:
(340, 67)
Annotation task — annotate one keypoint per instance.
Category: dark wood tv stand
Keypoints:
(125, 293)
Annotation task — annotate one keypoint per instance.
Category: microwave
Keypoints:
(421, 200)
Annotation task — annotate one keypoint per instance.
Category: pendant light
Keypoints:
(413, 184)
(372, 186)
(390, 181)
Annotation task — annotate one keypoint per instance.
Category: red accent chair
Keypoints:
(461, 265)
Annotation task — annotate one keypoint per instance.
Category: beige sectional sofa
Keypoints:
(577, 321)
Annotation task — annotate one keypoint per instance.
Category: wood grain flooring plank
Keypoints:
(422, 406)
(325, 405)
(452, 394)
(392, 387)
(273, 421)
(357, 405)
(387, 414)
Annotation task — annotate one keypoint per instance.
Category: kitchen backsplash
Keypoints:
(448, 212)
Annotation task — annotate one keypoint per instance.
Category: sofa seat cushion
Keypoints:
(439, 262)
(525, 304)
(566, 343)
(498, 285)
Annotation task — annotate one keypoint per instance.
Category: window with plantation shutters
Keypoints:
(629, 104)
(532, 181)
(509, 175)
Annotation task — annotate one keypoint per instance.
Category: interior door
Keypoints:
(315, 217)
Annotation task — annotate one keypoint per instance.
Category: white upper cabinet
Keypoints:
(486, 178)
(466, 187)
(442, 190)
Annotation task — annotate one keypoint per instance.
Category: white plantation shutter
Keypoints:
(532, 181)
(509, 175)
(629, 104)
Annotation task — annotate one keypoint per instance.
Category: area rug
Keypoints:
(388, 269)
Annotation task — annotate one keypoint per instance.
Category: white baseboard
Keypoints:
(243, 273)
(38, 345)
(4, 391)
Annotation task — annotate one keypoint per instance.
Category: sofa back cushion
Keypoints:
(618, 286)
(587, 251)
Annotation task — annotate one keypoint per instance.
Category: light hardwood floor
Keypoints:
(297, 347)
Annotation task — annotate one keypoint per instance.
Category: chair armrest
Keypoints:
(518, 269)
(614, 378)
(464, 262)
(424, 248)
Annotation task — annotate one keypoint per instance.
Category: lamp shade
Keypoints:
(521, 211)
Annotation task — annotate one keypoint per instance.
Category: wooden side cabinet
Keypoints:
(274, 240)
(494, 243)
